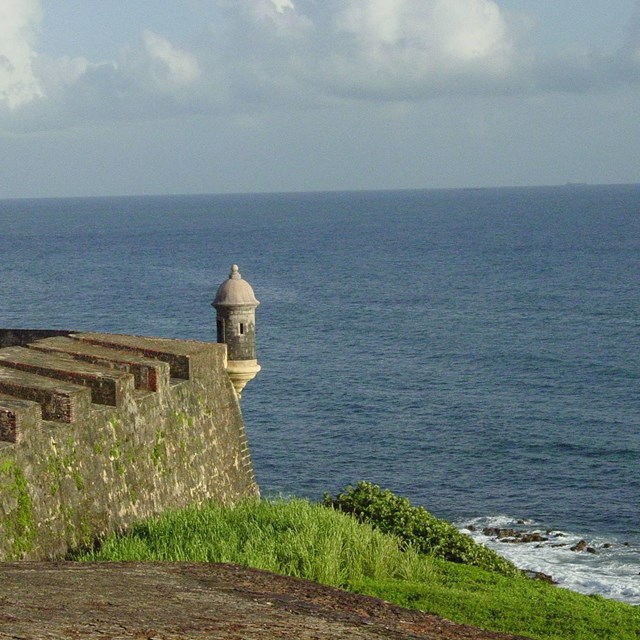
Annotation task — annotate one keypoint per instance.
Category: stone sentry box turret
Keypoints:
(235, 305)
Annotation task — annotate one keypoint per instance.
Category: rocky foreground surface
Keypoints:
(166, 601)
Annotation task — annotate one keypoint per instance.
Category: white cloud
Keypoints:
(408, 45)
(19, 20)
(153, 79)
(471, 29)
(266, 19)
(168, 66)
(282, 5)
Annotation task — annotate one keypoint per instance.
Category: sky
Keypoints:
(213, 96)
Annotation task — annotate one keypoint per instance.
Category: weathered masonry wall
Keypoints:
(99, 430)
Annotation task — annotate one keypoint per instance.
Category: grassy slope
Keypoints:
(300, 539)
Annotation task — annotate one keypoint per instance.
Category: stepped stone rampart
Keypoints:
(99, 430)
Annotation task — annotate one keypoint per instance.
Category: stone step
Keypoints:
(18, 416)
(108, 386)
(59, 401)
(148, 374)
(183, 356)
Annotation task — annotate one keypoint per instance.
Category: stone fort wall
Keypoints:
(99, 430)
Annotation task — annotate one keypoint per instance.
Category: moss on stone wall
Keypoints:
(18, 521)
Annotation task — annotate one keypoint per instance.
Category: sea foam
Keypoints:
(611, 568)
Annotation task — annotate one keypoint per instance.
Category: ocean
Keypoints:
(475, 350)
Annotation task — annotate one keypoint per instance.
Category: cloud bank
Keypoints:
(261, 53)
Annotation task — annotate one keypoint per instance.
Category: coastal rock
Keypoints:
(499, 533)
(539, 575)
(524, 538)
(583, 546)
(512, 536)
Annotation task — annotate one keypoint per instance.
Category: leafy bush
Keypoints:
(415, 527)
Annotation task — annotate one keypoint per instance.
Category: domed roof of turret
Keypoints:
(235, 291)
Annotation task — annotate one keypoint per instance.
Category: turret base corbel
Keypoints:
(241, 372)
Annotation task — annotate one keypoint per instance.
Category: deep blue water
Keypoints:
(475, 350)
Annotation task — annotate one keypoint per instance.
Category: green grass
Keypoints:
(513, 605)
(310, 541)
(294, 538)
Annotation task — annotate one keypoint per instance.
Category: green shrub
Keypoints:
(415, 527)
